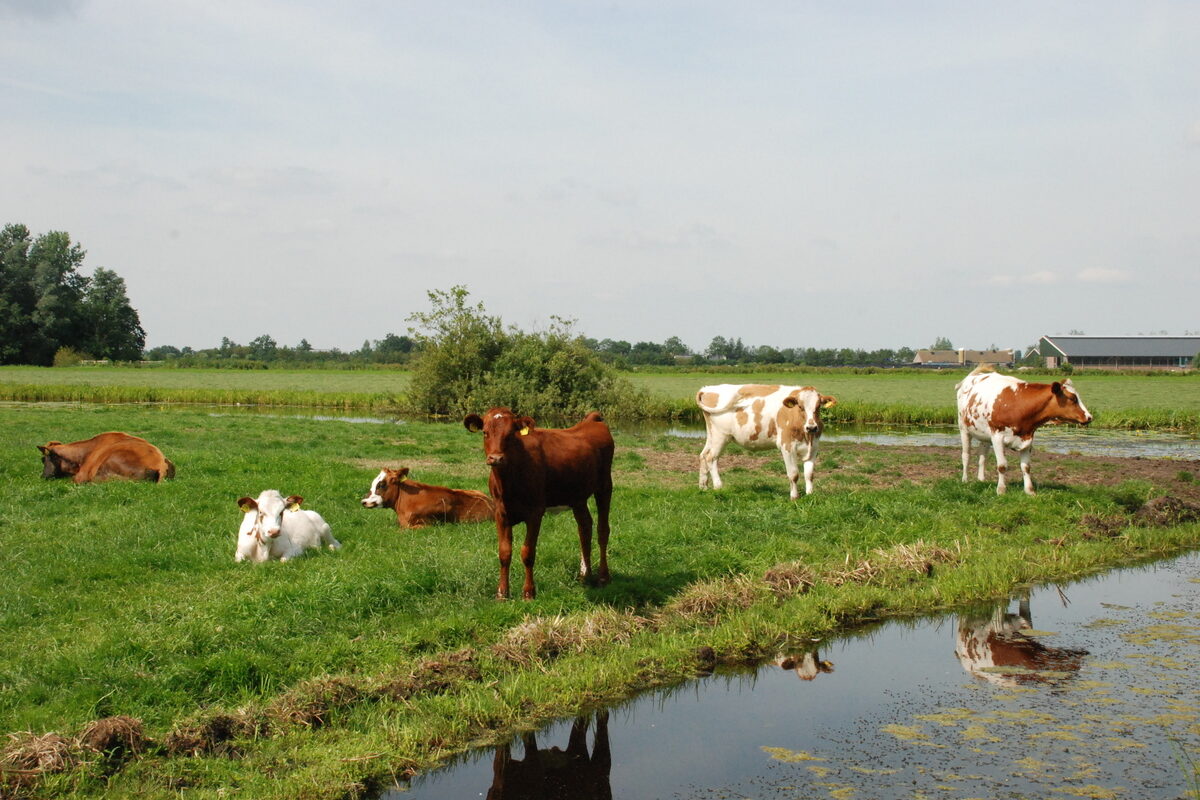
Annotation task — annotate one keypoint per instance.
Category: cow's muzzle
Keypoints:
(495, 459)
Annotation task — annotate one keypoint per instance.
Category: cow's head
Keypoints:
(383, 481)
(808, 402)
(502, 430)
(54, 463)
(268, 512)
(1065, 405)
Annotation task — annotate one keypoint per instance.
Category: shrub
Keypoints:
(69, 357)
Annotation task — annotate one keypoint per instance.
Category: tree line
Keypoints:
(50, 310)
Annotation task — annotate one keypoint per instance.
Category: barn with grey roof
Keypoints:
(1119, 352)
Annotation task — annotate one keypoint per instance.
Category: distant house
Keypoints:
(1117, 352)
(962, 358)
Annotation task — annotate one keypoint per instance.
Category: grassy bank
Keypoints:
(1145, 402)
(327, 676)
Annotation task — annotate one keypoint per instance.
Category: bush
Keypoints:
(468, 363)
(69, 357)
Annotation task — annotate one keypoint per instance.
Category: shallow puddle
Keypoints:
(1086, 690)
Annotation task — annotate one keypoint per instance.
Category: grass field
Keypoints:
(390, 655)
(1167, 401)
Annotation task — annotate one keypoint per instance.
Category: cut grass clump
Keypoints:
(708, 600)
(1166, 511)
(787, 580)
(435, 676)
(117, 737)
(215, 735)
(915, 559)
(540, 639)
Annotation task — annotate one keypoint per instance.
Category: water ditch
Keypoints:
(1081, 690)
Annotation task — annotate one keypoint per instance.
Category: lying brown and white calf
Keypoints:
(418, 504)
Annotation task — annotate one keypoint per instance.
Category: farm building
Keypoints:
(962, 358)
(1116, 352)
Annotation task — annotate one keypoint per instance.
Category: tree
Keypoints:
(941, 343)
(113, 329)
(263, 348)
(46, 303)
(459, 344)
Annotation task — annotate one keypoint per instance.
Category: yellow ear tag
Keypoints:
(245, 507)
(402, 479)
(294, 507)
(525, 431)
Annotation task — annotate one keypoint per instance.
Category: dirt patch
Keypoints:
(852, 466)
(1167, 511)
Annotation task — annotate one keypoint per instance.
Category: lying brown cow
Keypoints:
(538, 468)
(418, 504)
(108, 455)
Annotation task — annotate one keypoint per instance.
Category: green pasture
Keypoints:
(124, 599)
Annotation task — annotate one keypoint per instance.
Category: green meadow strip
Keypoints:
(331, 675)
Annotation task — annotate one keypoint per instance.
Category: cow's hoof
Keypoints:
(529, 594)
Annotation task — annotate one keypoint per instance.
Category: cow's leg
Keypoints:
(504, 545)
(1001, 463)
(533, 527)
(793, 471)
(603, 501)
(713, 446)
(583, 518)
(809, 467)
(982, 475)
(966, 450)
(1027, 469)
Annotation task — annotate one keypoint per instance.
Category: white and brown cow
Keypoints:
(758, 417)
(1006, 411)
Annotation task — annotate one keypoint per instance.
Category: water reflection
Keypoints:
(976, 704)
(994, 646)
(554, 774)
(807, 664)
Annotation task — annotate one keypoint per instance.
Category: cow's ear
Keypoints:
(247, 504)
(401, 474)
(473, 423)
(828, 401)
(44, 448)
(790, 401)
(293, 502)
(526, 424)
(1056, 387)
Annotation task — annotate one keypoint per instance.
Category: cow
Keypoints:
(275, 528)
(534, 469)
(554, 774)
(1007, 411)
(758, 417)
(992, 646)
(104, 456)
(418, 504)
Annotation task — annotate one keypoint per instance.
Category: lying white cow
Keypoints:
(274, 528)
(758, 417)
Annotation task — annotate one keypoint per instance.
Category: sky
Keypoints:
(794, 174)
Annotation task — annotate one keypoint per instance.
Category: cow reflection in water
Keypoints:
(556, 774)
(992, 647)
(807, 665)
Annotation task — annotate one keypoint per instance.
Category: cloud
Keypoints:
(1192, 135)
(1103, 276)
(272, 180)
(1041, 277)
(39, 9)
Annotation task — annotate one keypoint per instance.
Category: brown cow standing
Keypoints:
(418, 504)
(105, 456)
(538, 468)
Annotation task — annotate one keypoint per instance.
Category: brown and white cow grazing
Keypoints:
(105, 456)
(418, 504)
(1006, 411)
(534, 469)
(758, 417)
